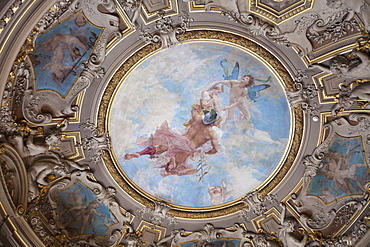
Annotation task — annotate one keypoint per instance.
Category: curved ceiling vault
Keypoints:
(184, 123)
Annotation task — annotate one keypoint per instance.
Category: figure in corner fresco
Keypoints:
(81, 213)
(343, 173)
(60, 51)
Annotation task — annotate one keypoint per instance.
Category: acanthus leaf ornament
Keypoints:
(92, 142)
(167, 32)
(159, 214)
(304, 96)
(257, 26)
(256, 204)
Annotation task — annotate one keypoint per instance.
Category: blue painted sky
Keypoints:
(73, 204)
(164, 87)
(321, 182)
(41, 56)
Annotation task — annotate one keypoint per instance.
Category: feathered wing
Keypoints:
(234, 74)
(253, 92)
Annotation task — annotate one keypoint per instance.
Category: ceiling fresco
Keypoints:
(185, 123)
(176, 97)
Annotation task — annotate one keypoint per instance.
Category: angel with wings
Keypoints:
(239, 90)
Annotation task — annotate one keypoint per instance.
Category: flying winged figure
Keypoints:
(253, 91)
(239, 90)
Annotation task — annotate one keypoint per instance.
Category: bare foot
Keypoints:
(129, 156)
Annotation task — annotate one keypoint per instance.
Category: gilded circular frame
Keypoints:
(198, 213)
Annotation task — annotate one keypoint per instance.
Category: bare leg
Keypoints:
(244, 110)
(148, 150)
(230, 115)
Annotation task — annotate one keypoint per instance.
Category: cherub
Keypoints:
(287, 233)
(238, 92)
(218, 193)
(41, 167)
(67, 39)
(32, 147)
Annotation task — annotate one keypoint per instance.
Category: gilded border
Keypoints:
(199, 35)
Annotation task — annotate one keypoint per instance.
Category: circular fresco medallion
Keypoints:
(200, 124)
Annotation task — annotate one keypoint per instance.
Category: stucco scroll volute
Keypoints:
(40, 106)
(209, 233)
(159, 214)
(256, 204)
(93, 142)
(335, 213)
(167, 31)
(305, 96)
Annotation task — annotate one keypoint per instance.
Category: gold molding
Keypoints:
(222, 210)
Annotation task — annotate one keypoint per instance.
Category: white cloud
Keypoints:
(241, 181)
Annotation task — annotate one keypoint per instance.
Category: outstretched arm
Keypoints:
(223, 184)
(47, 66)
(225, 82)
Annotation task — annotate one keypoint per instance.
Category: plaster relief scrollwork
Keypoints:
(355, 66)
(312, 23)
(13, 176)
(360, 7)
(24, 138)
(261, 240)
(132, 5)
(340, 211)
(208, 233)
(52, 16)
(258, 27)
(320, 27)
(158, 214)
(133, 240)
(256, 204)
(167, 32)
(357, 92)
(92, 142)
(352, 237)
(333, 28)
(40, 106)
(304, 97)
(287, 232)
(4, 20)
